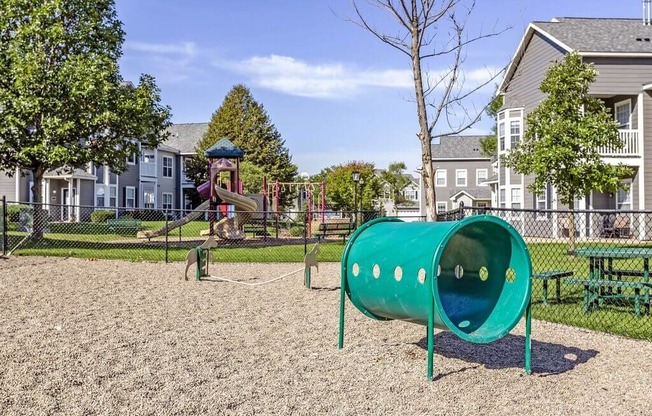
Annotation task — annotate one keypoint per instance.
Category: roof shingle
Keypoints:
(458, 147)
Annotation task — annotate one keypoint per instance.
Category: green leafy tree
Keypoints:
(63, 102)
(341, 191)
(489, 144)
(394, 180)
(245, 122)
(563, 137)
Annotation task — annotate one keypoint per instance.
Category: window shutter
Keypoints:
(136, 197)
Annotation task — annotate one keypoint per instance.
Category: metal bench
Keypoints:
(557, 275)
(594, 294)
(123, 225)
(340, 228)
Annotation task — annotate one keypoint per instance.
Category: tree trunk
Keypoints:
(425, 136)
(39, 218)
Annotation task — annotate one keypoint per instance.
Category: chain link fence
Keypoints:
(168, 235)
(590, 268)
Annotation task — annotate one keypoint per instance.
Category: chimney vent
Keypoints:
(647, 12)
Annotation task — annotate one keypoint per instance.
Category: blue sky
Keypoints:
(333, 91)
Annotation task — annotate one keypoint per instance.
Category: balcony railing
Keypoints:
(148, 169)
(631, 145)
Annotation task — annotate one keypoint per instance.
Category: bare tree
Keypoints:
(434, 29)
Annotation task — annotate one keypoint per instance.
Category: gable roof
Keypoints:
(458, 147)
(474, 192)
(618, 37)
(185, 136)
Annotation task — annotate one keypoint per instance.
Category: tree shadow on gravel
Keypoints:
(509, 352)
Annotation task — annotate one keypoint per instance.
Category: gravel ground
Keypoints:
(111, 337)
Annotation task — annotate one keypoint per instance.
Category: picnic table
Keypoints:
(606, 282)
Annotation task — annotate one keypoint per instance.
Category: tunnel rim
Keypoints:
(465, 222)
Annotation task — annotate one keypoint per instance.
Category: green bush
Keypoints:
(100, 216)
(13, 211)
(296, 231)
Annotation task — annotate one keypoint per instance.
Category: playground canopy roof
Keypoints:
(224, 148)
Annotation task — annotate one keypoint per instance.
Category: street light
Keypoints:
(355, 175)
(361, 182)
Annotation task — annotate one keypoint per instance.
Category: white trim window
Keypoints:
(623, 114)
(515, 198)
(481, 175)
(149, 199)
(131, 159)
(440, 177)
(410, 194)
(167, 166)
(100, 192)
(624, 197)
(502, 197)
(130, 197)
(113, 196)
(442, 206)
(501, 136)
(167, 200)
(460, 177)
(542, 203)
(514, 133)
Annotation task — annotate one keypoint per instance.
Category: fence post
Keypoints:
(4, 225)
(167, 220)
(305, 234)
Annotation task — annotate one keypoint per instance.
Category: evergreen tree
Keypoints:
(245, 122)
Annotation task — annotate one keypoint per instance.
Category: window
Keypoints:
(149, 158)
(515, 194)
(167, 167)
(623, 113)
(99, 195)
(482, 205)
(481, 175)
(460, 177)
(130, 197)
(501, 135)
(149, 200)
(167, 200)
(542, 203)
(440, 177)
(514, 132)
(624, 197)
(113, 196)
(441, 206)
(410, 194)
(131, 160)
(501, 199)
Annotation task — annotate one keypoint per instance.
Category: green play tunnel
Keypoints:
(475, 271)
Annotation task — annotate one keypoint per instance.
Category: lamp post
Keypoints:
(355, 175)
(361, 182)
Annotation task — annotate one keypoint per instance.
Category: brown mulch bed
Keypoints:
(112, 337)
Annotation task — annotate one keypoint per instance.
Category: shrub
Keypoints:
(296, 231)
(13, 211)
(100, 216)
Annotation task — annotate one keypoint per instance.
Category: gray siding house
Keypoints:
(621, 51)
(155, 179)
(461, 173)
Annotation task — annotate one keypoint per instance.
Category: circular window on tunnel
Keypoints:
(355, 269)
(484, 273)
(422, 276)
(510, 275)
(459, 271)
(376, 271)
(398, 273)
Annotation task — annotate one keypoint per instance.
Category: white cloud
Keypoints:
(170, 63)
(188, 49)
(295, 77)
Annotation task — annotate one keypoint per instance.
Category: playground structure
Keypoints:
(308, 188)
(471, 277)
